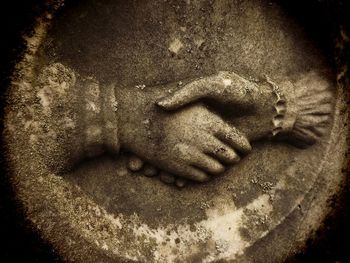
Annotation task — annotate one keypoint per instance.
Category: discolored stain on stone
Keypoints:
(118, 58)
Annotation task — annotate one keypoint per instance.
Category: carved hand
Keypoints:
(193, 142)
(225, 88)
(302, 124)
(234, 95)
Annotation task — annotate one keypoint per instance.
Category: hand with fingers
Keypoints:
(298, 113)
(231, 95)
(191, 143)
(225, 88)
(197, 144)
(184, 141)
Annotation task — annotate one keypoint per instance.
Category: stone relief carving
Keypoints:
(227, 98)
(182, 133)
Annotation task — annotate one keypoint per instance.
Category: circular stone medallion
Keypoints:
(259, 210)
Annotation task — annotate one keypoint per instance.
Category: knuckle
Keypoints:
(182, 150)
(221, 151)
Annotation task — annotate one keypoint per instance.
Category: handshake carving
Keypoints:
(187, 131)
(198, 129)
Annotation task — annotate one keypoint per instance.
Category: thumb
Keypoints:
(187, 94)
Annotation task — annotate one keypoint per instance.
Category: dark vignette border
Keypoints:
(19, 242)
(322, 20)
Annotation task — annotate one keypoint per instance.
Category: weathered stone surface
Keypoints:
(260, 210)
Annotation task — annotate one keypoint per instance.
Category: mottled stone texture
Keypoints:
(260, 210)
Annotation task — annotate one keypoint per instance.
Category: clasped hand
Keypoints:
(180, 135)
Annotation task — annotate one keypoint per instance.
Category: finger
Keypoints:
(134, 163)
(183, 167)
(190, 173)
(180, 182)
(187, 94)
(149, 170)
(194, 174)
(207, 163)
(233, 137)
(166, 177)
(220, 150)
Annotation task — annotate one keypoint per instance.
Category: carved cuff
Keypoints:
(78, 116)
(301, 112)
(283, 120)
(99, 118)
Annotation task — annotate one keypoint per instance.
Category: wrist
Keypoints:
(110, 125)
(133, 113)
(268, 106)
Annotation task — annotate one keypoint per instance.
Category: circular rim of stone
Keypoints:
(94, 241)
